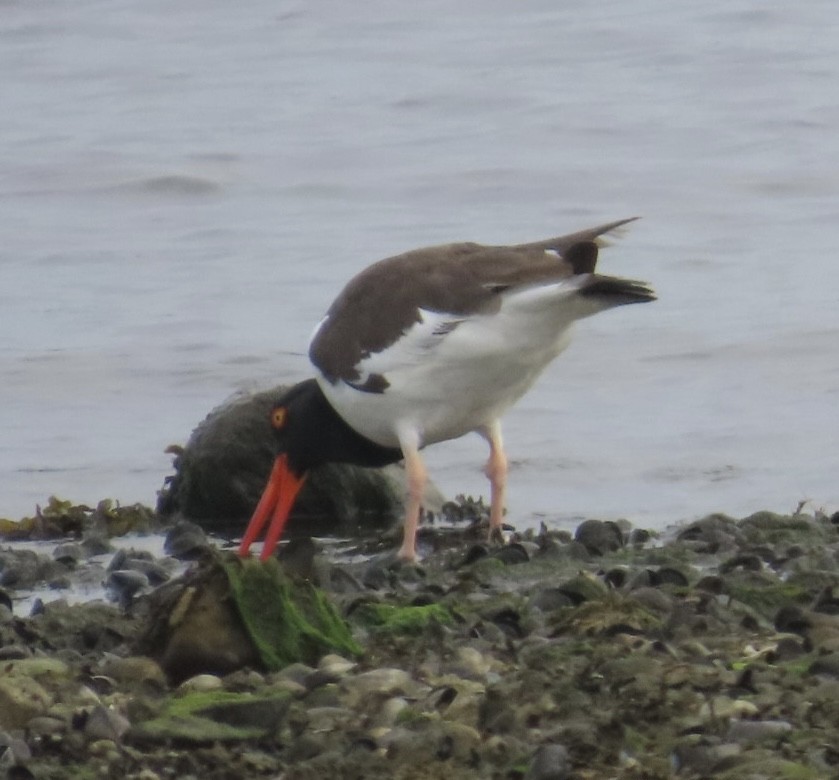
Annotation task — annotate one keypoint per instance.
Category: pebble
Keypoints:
(106, 724)
(336, 665)
(747, 731)
(550, 762)
(200, 683)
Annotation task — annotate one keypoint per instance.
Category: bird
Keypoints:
(428, 346)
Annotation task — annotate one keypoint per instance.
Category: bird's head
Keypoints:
(294, 421)
(307, 432)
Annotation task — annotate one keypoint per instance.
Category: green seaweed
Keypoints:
(287, 620)
(186, 718)
(767, 597)
(389, 618)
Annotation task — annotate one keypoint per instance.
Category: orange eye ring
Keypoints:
(278, 417)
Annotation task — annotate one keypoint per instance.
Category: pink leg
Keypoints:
(496, 471)
(417, 477)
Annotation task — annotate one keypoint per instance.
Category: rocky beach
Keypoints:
(711, 650)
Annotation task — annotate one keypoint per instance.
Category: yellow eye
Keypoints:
(278, 417)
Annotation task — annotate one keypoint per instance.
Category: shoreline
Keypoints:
(611, 652)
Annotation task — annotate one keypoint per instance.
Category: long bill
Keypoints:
(276, 503)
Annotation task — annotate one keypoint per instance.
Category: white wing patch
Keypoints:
(412, 348)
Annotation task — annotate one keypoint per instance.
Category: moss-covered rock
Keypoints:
(215, 716)
(221, 473)
(288, 620)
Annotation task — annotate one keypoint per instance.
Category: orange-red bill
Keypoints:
(276, 503)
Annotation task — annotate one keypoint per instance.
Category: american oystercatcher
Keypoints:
(427, 346)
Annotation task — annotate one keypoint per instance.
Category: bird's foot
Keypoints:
(496, 535)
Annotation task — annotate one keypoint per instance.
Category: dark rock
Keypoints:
(14, 652)
(668, 575)
(141, 562)
(123, 584)
(69, 554)
(704, 760)
(826, 602)
(511, 554)
(599, 537)
(583, 588)
(746, 562)
(13, 750)
(549, 599)
(260, 713)
(638, 537)
(24, 568)
(474, 553)
(221, 472)
(826, 664)
(185, 540)
(711, 534)
(509, 621)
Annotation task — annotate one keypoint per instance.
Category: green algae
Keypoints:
(61, 518)
(389, 618)
(766, 527)
(611, 612)
(287, 620)
(199, 717)
(767, 597)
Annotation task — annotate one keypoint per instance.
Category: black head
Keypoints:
(310, 433)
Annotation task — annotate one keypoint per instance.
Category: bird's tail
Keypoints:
(599, 235)
(609, 291)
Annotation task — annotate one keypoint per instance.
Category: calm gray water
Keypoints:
(185, 186)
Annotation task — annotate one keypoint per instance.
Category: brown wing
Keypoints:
(384, 300)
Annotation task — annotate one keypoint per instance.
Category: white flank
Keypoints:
(450, 374)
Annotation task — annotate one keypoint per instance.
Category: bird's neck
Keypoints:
(329, 439)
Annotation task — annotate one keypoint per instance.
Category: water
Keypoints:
(184, 188)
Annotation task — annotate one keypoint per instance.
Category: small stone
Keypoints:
(104, 748)
(550, 762)
(336, 665)
(511, 554)
(69, 554)
(13, 750)
(185, 540)
(135, 670)
(471, 663)
(123, 584)
(704, 760)
(105, 724)
(200, 683)
(390, 710)
(21, 699)
(329, 719)
(748, 731)
(726, 707)
(44, 725)
(827, 665)
(549, 599)
(14, 653)
(377, 682)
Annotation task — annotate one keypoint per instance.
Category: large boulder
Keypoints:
(222, 470)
